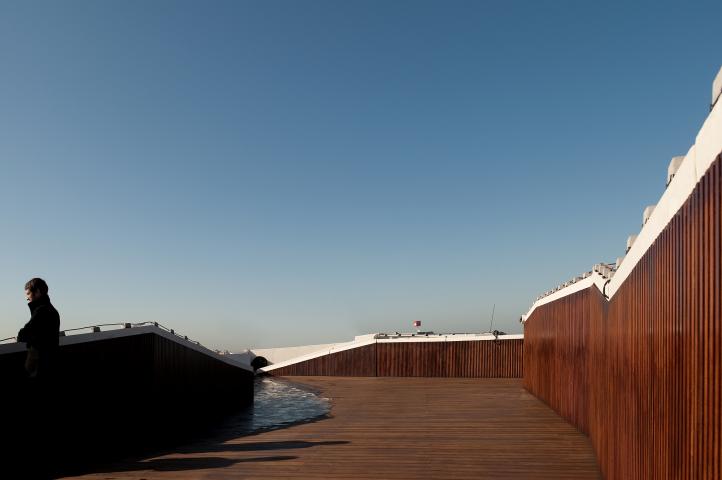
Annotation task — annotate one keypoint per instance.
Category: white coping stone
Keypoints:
(708, 145)
(128, 332)
(370, 339)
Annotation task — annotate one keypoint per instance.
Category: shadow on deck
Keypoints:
(393, 428)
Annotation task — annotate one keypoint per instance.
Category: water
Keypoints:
(276, 404)
(280, 403)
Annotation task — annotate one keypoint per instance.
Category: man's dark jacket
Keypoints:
(41, 332)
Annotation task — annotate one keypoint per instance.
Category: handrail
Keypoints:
(386, 336)
(96, 329)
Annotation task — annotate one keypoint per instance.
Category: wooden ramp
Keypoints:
(394, 428)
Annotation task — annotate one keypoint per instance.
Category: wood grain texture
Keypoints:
(180, 372)
(357, 362)
(486, 359)
(106, 391)
(641, 373)
(392, 428)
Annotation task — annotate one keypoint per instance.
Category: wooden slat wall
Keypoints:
(451, 359)
(357, 362)
(182, 371)
(641, 374)
(138, 367)
(418, 359)
(556, 340)
(106, 392)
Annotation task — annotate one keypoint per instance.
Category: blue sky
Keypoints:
(280, 173)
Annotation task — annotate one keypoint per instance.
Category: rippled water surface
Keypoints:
(277, 403)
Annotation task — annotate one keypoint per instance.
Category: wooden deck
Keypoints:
(393, 428)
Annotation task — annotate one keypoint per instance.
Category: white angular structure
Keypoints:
(647, 213)
(716, 89)
(630, 241)
(674, 165)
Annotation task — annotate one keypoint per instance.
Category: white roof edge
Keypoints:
(481, 337)
(127, 332)
(319, 353)
(708, 145)
(594, 279)
(369, 341)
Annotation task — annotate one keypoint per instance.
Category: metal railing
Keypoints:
(391, 336)
(122, 325)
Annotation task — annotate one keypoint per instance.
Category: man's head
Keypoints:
(35, 288)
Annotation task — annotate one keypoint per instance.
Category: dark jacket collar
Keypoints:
(44, 300)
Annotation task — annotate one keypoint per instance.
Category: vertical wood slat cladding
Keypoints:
(125, 385)
(418, 359)
(357, 362)
(485, 359)
(130, 370)
(182, 371)
(150, 366)
(641, 374)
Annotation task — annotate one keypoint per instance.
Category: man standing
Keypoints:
(41, 332)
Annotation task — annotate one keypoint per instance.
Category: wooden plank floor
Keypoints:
(394, 428)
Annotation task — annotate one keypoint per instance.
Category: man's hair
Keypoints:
(37, 285)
